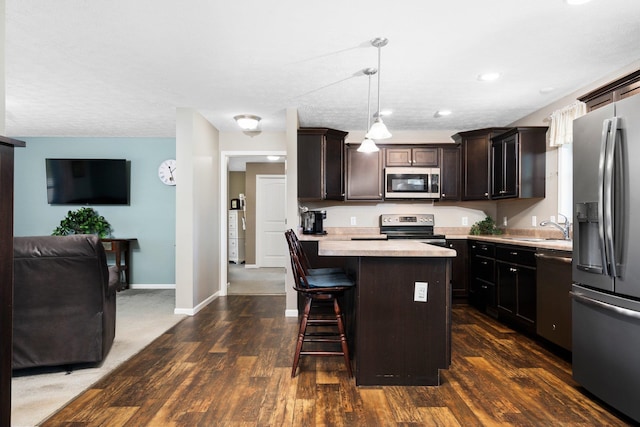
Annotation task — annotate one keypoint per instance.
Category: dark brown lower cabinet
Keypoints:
(482, 287)
(516, 285)
(553, 299)
(459, 277)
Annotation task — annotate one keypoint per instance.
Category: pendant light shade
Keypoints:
(368, 145)
(378, 130)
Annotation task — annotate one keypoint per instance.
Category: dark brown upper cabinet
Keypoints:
(364, 175)
(621, 88)
(407, 156)
(476, 162)
(450, 173)
(518, 159)
(321, 164)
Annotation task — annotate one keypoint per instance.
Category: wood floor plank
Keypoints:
(230, 365)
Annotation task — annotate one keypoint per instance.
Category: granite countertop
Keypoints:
(375, 248)
(371, 234)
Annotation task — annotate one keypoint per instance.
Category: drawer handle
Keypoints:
(513, 253)
(484, 263)
(513, 270)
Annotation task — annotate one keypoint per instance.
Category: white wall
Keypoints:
(197, 213)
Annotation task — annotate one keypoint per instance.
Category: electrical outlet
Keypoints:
(504, 221)
(421, 291)
(552, 218)
(353, 220)
(534, 221)
(465, 220)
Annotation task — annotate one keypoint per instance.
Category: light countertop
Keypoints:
(378, 248)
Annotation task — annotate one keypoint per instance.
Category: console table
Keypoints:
(120, 247)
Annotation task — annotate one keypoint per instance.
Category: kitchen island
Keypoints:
(400, 318)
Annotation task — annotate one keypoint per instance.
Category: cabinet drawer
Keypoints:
(516, 255)
(483, 268)
(482, 248)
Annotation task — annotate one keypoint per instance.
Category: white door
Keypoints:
(271, 246)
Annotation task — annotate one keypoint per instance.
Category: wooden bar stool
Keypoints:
(320, 291)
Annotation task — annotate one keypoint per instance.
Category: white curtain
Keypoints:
(561, 128)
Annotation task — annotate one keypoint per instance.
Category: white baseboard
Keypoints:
(153, 286)
(197, 308)
(291, 313)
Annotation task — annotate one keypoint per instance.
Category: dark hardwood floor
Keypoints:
(230, 365)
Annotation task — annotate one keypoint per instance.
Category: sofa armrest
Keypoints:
(114, 280)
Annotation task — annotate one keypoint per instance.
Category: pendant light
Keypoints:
(378, 130)
(368, 145)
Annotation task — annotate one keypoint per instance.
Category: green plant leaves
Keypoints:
(486, 226)
(83, 221)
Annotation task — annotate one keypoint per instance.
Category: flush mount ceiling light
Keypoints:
(442, 113)
(368, 145)
(247, 122)
(378, 130)
(489, 77)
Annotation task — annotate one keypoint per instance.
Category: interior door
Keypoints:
(271, 247)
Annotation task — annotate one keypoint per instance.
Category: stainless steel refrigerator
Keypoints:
(606, 254)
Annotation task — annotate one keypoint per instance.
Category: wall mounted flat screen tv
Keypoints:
(87, 181)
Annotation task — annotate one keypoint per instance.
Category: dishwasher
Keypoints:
(553, 299)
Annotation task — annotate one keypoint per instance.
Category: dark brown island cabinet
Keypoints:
(411, 157)
(476, 163)
(364, 175)
(6, 274)
(321, 164)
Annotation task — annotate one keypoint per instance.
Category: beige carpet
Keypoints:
(141, 316)
(255, 281)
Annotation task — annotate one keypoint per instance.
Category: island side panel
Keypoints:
(400, 341)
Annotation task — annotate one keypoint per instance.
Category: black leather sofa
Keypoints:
(64, 310)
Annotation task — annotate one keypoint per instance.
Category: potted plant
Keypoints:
(83, 221)
(485, 226)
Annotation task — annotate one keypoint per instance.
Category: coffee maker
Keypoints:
(312, 222)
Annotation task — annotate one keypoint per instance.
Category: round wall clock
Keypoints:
(167, 172)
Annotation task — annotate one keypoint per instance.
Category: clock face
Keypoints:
(167, 172)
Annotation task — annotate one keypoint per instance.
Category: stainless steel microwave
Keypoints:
(411, 183)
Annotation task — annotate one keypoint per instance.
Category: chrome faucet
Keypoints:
(565, 228)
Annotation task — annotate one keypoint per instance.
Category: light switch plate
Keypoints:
(421, 291)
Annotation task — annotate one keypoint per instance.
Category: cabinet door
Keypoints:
(504, 168)
(450, 174)
(507, 279)
(526, 310)
(459, 277)
(334, 167)
(398, 157)
(364, 175)
(427, 156)
(475, 173)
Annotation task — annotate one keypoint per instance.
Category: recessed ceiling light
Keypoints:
(489, 77)
(273, 158)
(576, 2)
(442, 113)
(383, 113)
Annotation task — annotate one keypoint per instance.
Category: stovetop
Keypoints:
(403, 226)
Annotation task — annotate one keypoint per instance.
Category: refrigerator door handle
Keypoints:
(619, 310)
(609, 207)
(606, 125)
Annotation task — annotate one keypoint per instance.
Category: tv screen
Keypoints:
(87, 182)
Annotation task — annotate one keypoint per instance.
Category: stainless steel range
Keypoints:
(416, 226)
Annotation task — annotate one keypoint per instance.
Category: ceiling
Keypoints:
(121, 68)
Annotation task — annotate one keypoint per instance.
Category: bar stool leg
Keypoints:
(343, 337)
(301, 332)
